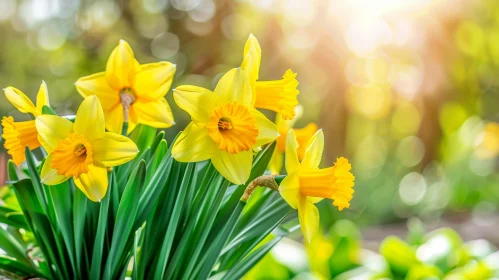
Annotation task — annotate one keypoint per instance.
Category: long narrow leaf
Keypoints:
(125, 220)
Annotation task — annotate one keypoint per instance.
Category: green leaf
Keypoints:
(143, 135)
(238, 271)
(160, 217)
(79, 210)
(213, 249)
(19, 268)
(98, 252)
(136, 251)
(254, 232)
(13, 218)
(35, 179)
(125, 219)
(46, 202)
(269, 217)
(46, 110)
(192, 239)
(12, 170)
(172, 226)
(157, 140)
(61, 201)
(152, 189)
(13, 247)
(40, 225)
(154, 163)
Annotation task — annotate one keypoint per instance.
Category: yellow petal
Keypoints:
(120, 66)
(42, 98)
(49, 175)
(19, 100)
(113, 149)
(251, 61)
(279, 96)
(97, 84)
(289, 189)
(51, 129)
(154, 113)
(114, 119)
(314, 199)
(197, 101)
(285, 125)
(267, 130)
(234, 167)
(313, 153)
(275, 164)
(18, 136)
(234, 86)
(94, 183)
(292, 162)
(193, 145)
(154, 80)
(308, 215)
(89, 121)
(343, 185)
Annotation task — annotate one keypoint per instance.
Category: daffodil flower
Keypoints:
(303, 135)
(225, 127)
(82, 150)
(19, 135)
(131, 92)
(279, 95)
(307, 184)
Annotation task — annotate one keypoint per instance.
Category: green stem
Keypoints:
(269, 181)
(124, 129)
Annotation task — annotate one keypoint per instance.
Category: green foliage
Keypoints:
(160, 219)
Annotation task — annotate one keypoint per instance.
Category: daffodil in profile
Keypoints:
(278, 95)
(225, 127)
(307, 184)
(303, 136)
(19, 135)
(82, 150)
(131, 92)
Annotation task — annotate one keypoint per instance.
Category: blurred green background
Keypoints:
(404, 89)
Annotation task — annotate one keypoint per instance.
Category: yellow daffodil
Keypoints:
(224, 128)
(82, 150)
(303, 135)
(19, 135)
(306, 184)
(279, 95)
(131, 92)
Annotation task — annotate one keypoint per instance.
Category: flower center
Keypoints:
(127, 96)
(233, 128)
(72, 156)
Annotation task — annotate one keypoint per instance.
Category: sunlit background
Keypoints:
(403, 88)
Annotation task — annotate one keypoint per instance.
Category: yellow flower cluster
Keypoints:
(225, 127)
